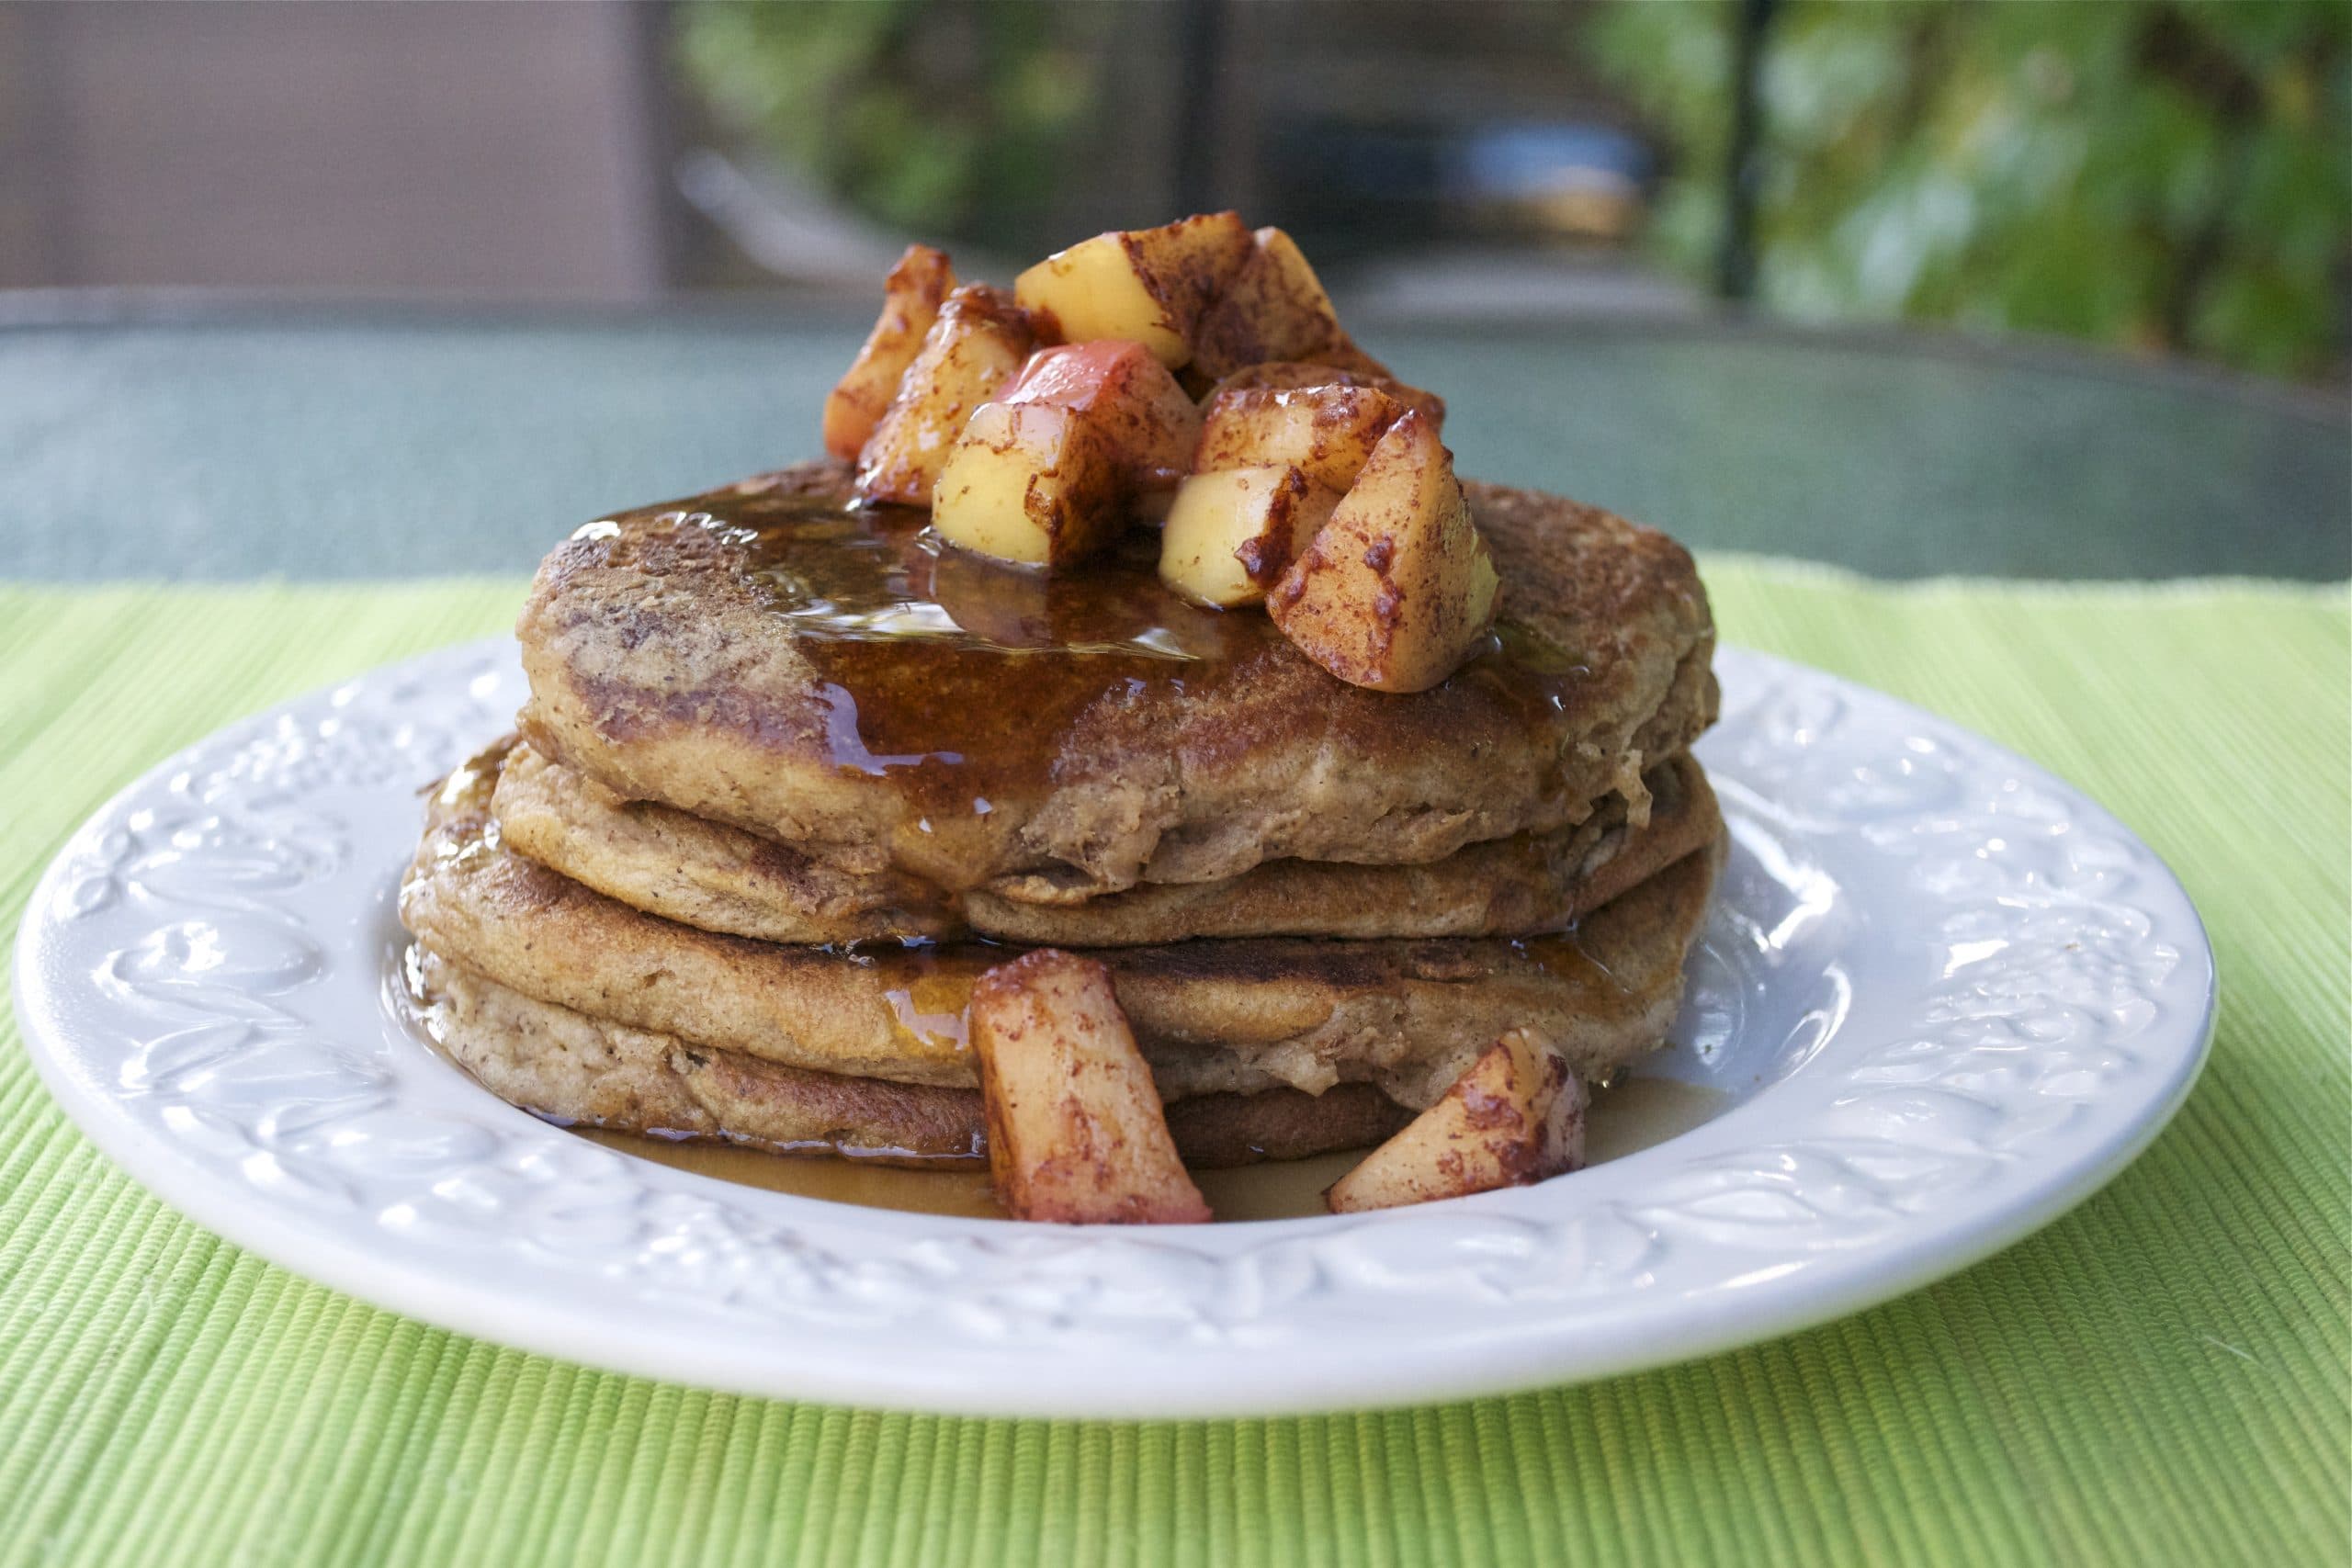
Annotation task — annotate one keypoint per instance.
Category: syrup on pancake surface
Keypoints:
(835, 678)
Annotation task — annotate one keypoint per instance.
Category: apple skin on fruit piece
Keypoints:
(1514, 1118)
(1274, 308)
(1328, 431)
(1290, 375)
(910, 300)
(1030, 483)
(976, 344)
(1231, 534)
(1397, 591)
(1076, 1131)
(1130, 397)
(1148, 285)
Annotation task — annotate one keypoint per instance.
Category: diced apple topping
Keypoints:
(1514, 1118)
(1030, 483)
(1273, 309)
(1231, 534)
(1130, 397)
(1148, 285)
(1289, 375)
(911, 300)
(976, 345)
(1311, 478)
(1398, 589)
(1329, 431)
(1076, 1131)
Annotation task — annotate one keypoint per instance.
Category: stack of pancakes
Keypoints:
(791, 776)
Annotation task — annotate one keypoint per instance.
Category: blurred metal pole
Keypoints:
(661, 143)
(1200, 41)
(1744, 161)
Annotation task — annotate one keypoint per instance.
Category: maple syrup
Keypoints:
(1629, 1116)
(960, 678)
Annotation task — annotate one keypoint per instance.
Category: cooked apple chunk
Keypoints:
(1516, 1117)
(1030, 483)
(911, 300)
(1231, 534)
(1398, 589)
(976, 346)
(1273, 309)
(1329, 431)
(1127, 395)
(1076, 1132)
(1289, 375)
(1148, 285)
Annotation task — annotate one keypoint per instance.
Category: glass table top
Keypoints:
(359, 444)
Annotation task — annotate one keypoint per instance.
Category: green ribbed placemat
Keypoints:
(2161, 1377)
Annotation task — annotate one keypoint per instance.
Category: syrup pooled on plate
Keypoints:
(1630, 1115)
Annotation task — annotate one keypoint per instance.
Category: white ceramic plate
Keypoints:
(1947, 996)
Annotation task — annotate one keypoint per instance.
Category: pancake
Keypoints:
(668, 862)
(825, 677)
(1234, 1017)
(665, 862)
(575, 1069)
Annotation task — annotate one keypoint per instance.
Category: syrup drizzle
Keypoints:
(961, 678)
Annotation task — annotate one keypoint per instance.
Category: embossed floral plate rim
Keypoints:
(1965, 996)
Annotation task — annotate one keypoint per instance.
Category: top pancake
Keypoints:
(831, 679)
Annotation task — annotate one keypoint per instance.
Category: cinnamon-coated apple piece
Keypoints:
(1030, 482)
(1231, 534)
(910, 300)
(1130, 397)
(1076, 1131)
(1327, 430)
(1397, 591)
(975, 346)
(1274, 308)
(1289, 375)
(1514, 1118)
(1148, 285)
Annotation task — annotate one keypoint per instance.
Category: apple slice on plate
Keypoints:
(1076, 1132)
(1517, 1116)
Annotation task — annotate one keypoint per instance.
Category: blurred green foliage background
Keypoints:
(2165, 175)
(943, 120)
(2168, 175)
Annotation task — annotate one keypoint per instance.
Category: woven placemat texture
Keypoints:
(2160, 1377)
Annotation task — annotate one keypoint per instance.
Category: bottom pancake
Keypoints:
(575, 1069)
